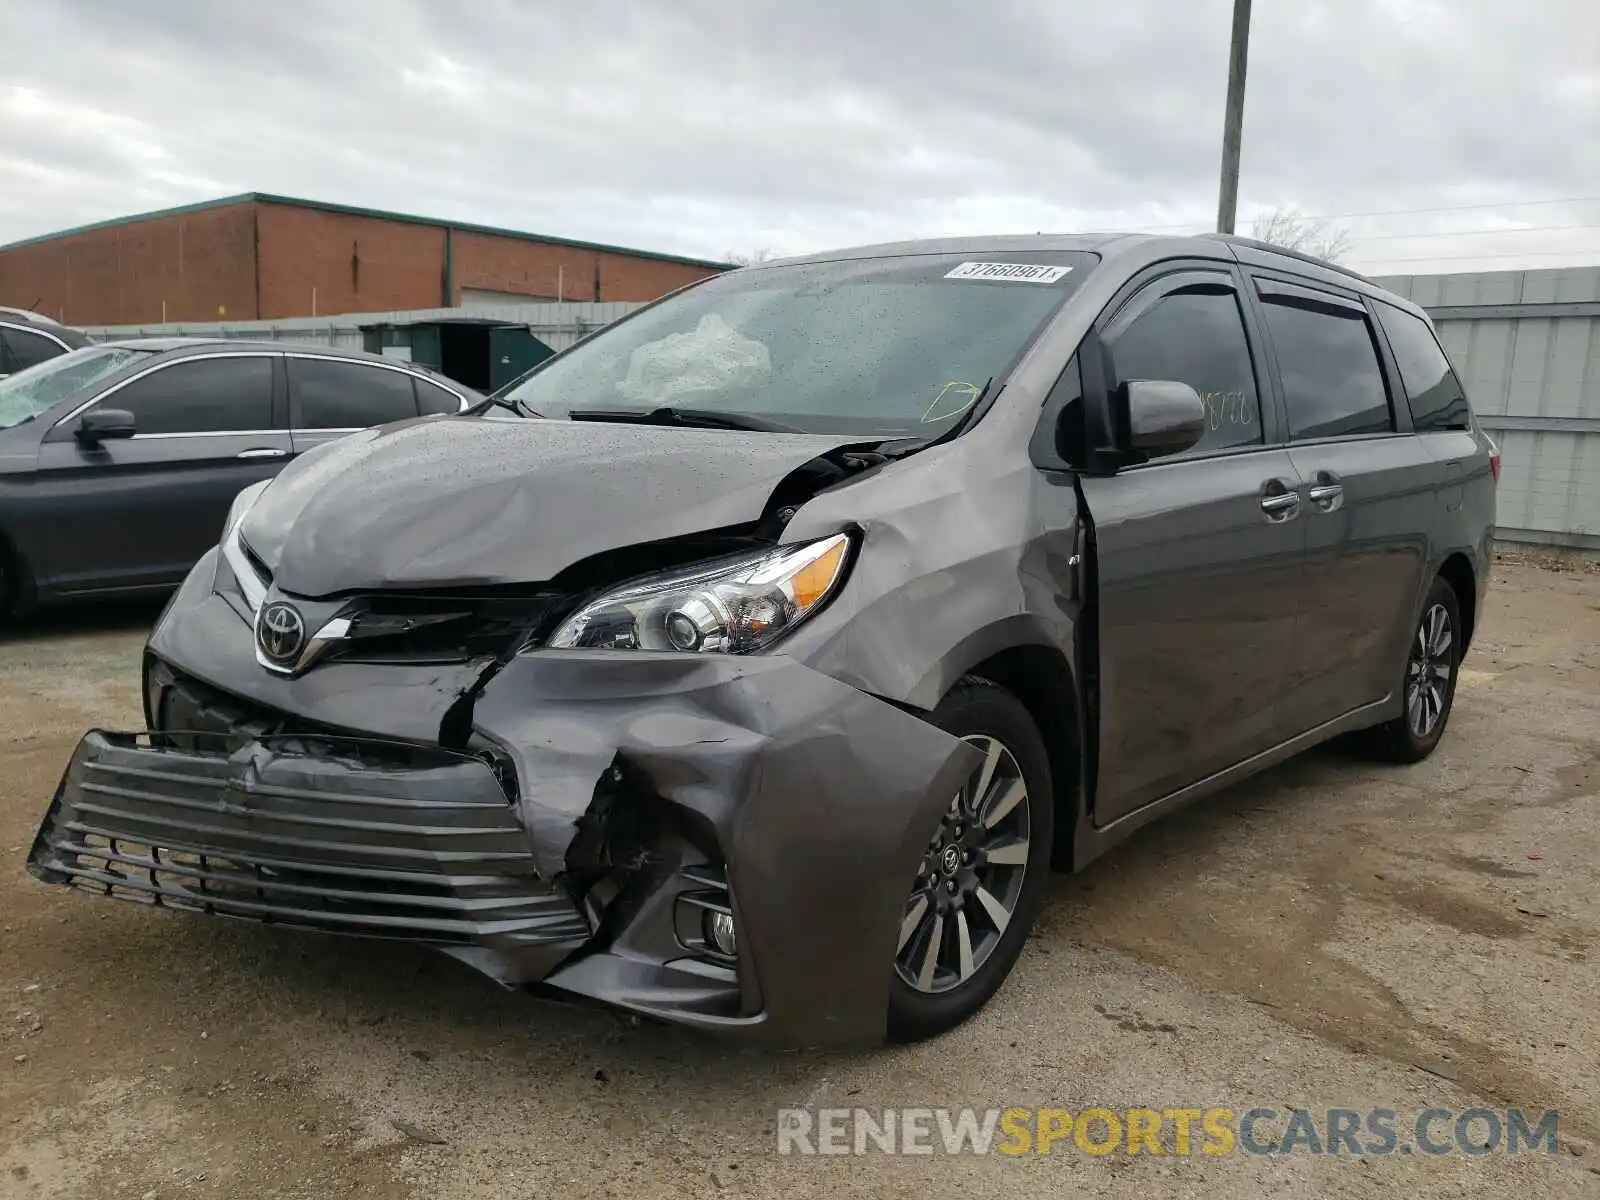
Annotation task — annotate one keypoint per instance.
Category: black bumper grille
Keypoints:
(335, 839)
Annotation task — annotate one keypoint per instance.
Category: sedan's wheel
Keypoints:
(1428, 687)
(981, 877)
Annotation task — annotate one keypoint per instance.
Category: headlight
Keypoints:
(733, 607)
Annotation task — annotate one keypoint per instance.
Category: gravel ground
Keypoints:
(1333, 933)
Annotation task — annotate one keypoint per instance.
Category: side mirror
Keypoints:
(1164, 416)
(100, 424)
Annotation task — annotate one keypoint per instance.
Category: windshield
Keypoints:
(892, 347)
(38, 389)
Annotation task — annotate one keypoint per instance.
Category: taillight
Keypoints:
(1494, 461)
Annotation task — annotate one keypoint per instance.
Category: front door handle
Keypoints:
(264, 452)
(1279, 501)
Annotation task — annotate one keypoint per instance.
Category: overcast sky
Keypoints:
(707, 126)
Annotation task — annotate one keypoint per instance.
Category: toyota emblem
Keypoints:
(280, 633)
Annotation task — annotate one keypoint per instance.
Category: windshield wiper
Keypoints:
(510, 403)
(689, 418)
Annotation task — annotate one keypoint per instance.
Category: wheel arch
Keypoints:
(1457, 571)
(1041, 678)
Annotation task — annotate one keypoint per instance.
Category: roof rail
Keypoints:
(1234, 239)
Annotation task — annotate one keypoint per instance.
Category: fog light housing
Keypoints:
(720, 935)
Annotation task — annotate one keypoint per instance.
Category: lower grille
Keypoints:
(427, 851)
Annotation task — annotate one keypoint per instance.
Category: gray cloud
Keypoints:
(700, 126)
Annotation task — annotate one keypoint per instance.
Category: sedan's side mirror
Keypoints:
(101, 424)
(1164, 416)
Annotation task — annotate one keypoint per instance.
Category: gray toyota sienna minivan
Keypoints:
(750, 663)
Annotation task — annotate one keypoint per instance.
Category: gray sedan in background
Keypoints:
(118, 460)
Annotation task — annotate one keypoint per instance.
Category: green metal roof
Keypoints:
(374, 213)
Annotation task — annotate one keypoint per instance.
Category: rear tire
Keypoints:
(1427, 684)
(980, 885)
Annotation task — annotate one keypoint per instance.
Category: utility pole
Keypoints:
(1233, 122)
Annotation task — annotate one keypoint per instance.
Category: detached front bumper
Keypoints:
(424, 851)
(599, 804)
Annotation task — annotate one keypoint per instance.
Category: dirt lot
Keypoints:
(1331, 934)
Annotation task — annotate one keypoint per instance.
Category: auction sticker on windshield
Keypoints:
(1014, 272)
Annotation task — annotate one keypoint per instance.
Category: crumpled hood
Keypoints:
(478, 501)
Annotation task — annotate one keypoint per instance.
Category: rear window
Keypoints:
(339, 394)
(1433, 392)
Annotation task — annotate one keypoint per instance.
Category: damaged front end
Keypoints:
(722, 840)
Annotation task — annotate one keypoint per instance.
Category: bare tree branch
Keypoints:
(1288, 228)
(748, 258)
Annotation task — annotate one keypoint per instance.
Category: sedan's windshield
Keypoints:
(26, 394)
(892, 347)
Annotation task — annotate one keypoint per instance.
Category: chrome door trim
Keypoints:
(209, 433)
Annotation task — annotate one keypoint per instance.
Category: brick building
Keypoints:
(261, 257)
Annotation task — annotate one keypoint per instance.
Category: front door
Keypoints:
(1199, 557)
(139, 512)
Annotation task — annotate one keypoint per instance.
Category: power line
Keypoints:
(1476, 257)
(1299, 219)
(1360, 238)
(1408, 212)
(1444, 233)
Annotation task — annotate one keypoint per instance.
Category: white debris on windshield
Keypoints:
(712, 357)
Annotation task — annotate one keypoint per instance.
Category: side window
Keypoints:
(28, 349)
(1432, 389)
(349, 395)
(431, 398)
(1332, 382)
(208, 395)
(1196, 335)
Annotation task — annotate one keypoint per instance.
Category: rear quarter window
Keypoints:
(1433, 392)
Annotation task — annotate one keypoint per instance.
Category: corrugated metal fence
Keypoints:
(1527, 346)
(1525, 342)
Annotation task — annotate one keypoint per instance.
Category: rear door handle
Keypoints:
(1279, 501)
(264, 453)
(1327, 493)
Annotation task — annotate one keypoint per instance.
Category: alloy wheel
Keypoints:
(970, 880)
(1428, 671)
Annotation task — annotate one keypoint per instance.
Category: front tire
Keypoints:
(1428, 687)
(982, 880)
